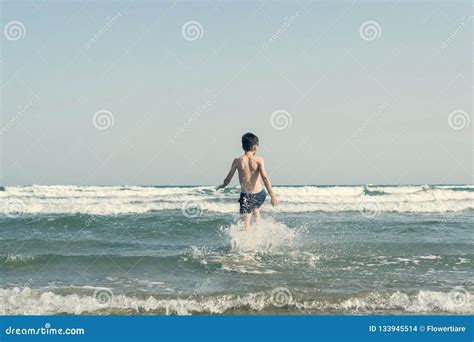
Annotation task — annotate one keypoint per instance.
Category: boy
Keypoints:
(251, 169)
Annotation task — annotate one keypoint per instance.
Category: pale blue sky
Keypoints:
(317, 67)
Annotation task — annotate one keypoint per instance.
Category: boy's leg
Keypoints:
(256, 213)
(246, 220)
(259, 199)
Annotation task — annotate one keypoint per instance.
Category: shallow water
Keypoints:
(179, 250)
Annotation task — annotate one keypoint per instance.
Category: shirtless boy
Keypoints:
(251, 170)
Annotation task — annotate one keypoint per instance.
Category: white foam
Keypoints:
(265, 236)
(422, 302)
(26, 301)
(114, 200)
(430, 257)
(32, 302)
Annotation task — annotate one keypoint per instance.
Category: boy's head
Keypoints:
(249, 142)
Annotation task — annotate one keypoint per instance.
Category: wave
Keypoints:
(14, 259)
(27, 301)
(277, 256)
(94, 260)
(369, 192)
(117, 200)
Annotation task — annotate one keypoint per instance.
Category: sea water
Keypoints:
(181, 250)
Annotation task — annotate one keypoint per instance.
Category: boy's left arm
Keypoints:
(229, 175)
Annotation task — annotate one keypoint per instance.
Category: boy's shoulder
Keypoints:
(238, 159)
(256, 158)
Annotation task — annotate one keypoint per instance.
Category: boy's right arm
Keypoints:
(266, 181)
(229, 175)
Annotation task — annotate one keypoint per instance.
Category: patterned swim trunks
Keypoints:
(249, 201)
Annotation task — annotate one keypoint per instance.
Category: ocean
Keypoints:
(148, 250)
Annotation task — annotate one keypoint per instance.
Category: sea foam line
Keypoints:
(138, 200)
(36, 302)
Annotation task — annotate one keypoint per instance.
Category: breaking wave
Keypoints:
(29, 301)
(116, 200)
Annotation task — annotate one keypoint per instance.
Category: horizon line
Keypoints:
(229, 186)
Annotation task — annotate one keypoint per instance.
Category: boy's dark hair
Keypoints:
(248, 141)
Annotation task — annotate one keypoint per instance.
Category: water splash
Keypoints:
(266, 236)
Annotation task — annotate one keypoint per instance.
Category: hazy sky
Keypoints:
(372, 92)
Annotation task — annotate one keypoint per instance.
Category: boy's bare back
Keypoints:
(249, 168)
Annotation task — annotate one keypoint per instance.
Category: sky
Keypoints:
(160, 93)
